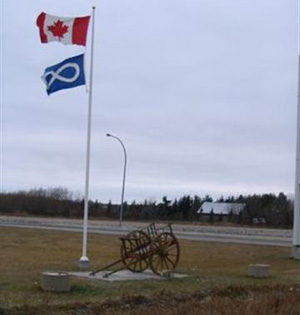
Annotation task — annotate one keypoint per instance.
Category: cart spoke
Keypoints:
(172, 262)
(158, 264)
(165, 260)
(154, 258)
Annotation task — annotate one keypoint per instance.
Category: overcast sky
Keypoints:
(203, 94)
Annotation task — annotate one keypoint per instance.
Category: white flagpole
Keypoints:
(296, 231)
(84, 261)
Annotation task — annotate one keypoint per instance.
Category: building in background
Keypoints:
(220, 211)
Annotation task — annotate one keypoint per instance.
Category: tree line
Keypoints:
(277, 210)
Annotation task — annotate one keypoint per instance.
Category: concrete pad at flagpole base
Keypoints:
(125, 275)
(84, 263)
(296, 252)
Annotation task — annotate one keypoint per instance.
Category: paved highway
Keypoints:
(240, 235)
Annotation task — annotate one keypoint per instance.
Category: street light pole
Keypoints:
(124, 175)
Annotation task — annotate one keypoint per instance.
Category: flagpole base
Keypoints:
(296, 252)
(84, 263)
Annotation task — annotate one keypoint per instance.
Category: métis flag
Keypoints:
(66, 30)
(65, 75)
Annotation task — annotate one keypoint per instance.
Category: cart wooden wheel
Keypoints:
(165, 253)
(135, 251)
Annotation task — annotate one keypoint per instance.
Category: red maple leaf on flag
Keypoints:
(58, 29)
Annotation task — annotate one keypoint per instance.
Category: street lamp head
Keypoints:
(124, 174)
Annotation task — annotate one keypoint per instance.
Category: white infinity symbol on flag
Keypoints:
(55, 74)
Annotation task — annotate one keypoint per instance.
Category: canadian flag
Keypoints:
(66, 30)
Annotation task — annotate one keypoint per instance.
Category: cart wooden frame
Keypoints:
(153, 247)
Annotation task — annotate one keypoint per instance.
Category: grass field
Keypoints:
(218, 278)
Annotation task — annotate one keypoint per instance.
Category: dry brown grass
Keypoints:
(26, 253)
(230, 301)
